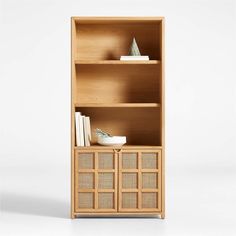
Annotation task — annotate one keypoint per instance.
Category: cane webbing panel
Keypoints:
(105, 200)
(86, 180)
(85, 200)
(129, 180)
(149, 161)
(86, 160)
(129, 200)
(105, 181)
(129, 161)
(149, 180)
(149, 200)
(105, 161)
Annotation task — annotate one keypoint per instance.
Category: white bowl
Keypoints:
(112, 141)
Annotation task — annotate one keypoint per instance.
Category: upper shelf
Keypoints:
(116, 62)
(117, 104)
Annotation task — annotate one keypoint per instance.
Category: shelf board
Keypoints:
(117, 105)
(115, 62)
(97, 146)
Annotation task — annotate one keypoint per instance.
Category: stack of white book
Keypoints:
(82, 129)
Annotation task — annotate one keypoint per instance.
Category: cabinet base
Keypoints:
(114, 215)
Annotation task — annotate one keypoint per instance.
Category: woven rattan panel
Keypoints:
(129, 200)
(149, 180)
(149, 200)
(105, 161)
(86, 180)
(86, 160)
(129, 161)
(85, 200)
(149, 161)
(129, 180)
(105, 200)
(105, 180)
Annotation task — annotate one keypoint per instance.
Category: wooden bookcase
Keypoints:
(122, 98)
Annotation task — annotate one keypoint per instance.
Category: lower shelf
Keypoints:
(141, 126)
(97, 147)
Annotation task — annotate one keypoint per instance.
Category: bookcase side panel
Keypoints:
(163, 115)
(73, 77)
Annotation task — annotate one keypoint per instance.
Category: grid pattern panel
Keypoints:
(129, 161)
(129, 180)
(86, 200)
(149, 161)
(149, 200)
(86, 181)
(139, 176)
(105, 181)
(149, 180)
(105, 161)
(86, 160)
(129, 200)
(105, 200)
(96, 181)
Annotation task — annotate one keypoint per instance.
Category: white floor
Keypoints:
(35, 201)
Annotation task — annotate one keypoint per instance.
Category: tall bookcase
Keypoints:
(122, 98)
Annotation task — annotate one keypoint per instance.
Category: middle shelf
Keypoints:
(117, 105)
(114, 62)
(131, 85)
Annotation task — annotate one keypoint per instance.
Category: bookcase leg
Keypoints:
(72, 216)
(163, 215)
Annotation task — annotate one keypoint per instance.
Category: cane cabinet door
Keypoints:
(140, 181)
(96, 181)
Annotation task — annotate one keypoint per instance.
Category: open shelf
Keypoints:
(117, 105)
(99, 41)
(115, 62)
(112, 84)
(140, 125)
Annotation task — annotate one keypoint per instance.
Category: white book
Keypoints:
(86, 139)
(88, 129)
(77, 128)
(134, 58)
(81, 125)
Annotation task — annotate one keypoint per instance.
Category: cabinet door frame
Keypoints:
(96, 170)
(140, 190)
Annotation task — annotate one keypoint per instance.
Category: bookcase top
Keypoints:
(112, 20)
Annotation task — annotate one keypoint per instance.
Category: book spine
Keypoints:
(85, 131)
(89, 129)
(81, 131)
(77, 129)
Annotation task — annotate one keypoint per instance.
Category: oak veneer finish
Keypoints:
(115, 62)
(137, 124)
(123, 98)
(101, 41)
(115, 83)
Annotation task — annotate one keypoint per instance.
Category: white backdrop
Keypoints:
(35, 116)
